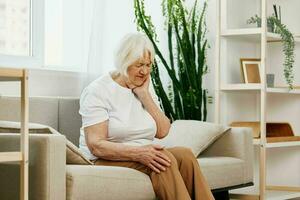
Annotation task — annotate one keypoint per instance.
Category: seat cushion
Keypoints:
(223, 172)
(109, 183)
(92, 182)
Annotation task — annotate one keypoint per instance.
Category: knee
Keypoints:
(171, 157)
(185, 152)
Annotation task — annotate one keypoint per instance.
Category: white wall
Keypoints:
(119, 15)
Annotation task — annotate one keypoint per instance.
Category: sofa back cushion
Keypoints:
(57, 112)
(41, 110)
(69, 120)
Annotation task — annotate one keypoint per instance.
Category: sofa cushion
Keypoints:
(196, 135)
(74, 156)
(69, 119)
(41, 110)
(223, 172)
(92, 182)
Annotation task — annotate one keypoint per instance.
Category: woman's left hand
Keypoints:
(142, 90)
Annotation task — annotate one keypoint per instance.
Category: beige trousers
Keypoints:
(183, 180)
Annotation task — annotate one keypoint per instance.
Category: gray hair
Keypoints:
(132, 47)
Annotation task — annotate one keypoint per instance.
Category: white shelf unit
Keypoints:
(261, 37)
(21, 156)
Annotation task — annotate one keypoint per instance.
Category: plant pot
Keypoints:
(270, 80)
(270, 27)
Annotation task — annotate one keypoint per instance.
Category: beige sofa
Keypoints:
(226, 164)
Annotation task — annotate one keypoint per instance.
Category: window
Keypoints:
(15, 27)
(67, 31)
(47, 34)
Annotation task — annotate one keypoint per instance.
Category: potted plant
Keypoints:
(186, 63)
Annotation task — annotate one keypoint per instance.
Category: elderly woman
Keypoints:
(121, 116)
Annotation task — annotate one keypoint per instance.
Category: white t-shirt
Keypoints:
(128, 121)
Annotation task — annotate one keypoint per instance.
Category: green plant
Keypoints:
(288, 42)
(257, 20)
(288, 49)
(186, 65)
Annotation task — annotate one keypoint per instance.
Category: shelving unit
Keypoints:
(257, 36)
(21, 156)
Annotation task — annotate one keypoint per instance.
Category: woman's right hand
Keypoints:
(152, 156)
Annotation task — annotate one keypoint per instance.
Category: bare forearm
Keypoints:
(162, 122)
(115, 151)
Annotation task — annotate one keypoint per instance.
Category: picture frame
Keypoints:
(250, 70)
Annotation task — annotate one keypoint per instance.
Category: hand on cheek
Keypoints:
(143, 89)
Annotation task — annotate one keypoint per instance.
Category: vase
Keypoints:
(270, 80)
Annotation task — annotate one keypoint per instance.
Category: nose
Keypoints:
(144, 70)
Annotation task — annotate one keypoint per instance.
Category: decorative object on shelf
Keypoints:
(288, 42)
(288, 49)
(276, 131)
(250, 68)
(270, 80)
(254, 125)
(257, 20)
(186, 64)
(270, 23)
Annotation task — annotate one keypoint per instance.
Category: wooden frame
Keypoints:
(21, 75)
(251, 70)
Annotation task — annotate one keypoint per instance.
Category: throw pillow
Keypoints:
(196, 135)
(74, 156)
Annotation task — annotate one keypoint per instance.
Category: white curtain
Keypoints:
(112, 19)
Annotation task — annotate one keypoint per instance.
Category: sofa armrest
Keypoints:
(47, 167)
(238, 143)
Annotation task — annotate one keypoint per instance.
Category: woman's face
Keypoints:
(139, 71)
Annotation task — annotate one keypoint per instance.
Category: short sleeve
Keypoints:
(153, 95)
(93, 108)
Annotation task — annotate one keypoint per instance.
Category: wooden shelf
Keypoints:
(240, 86)
(256, 141)
(10, 156)
(283, 90)
(257, 86)
(253, 193)
(7, 74)
(252, 35)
